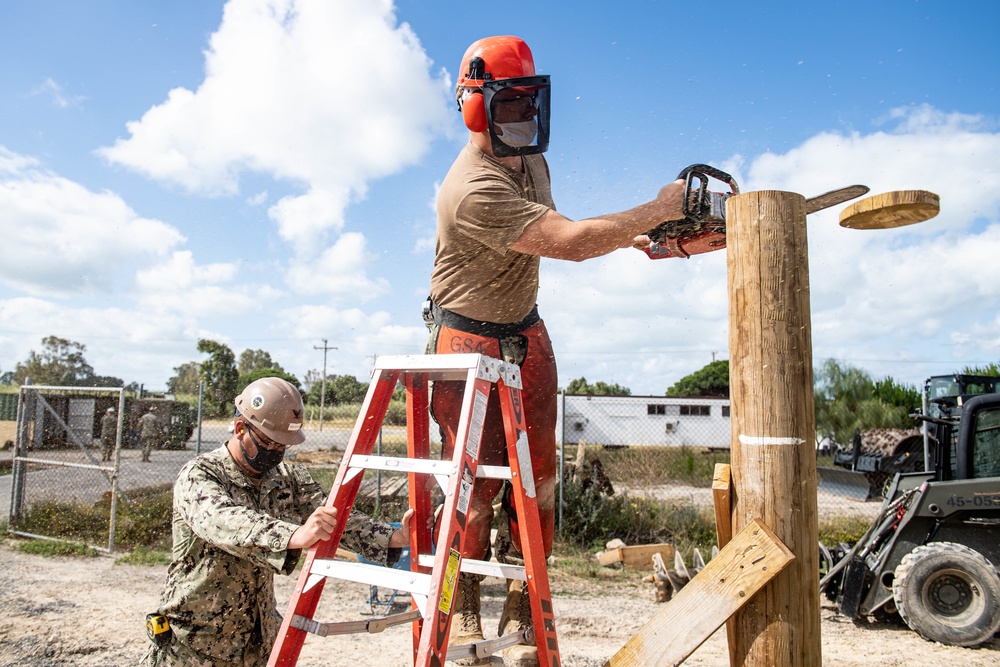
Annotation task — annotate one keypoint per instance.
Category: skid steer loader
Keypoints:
(932, 554)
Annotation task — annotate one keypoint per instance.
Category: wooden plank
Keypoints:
(723, 503)
(729, 580)
(639, 557)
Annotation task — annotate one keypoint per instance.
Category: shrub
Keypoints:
(591, 519)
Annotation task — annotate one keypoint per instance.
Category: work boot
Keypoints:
(466, 623)
(516, 616)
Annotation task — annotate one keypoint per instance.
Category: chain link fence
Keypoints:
(657, 447)
(667, 448)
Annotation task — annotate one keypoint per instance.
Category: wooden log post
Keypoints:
(773, 422)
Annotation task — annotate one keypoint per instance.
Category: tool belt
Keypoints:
(513, 344)
(434, 314)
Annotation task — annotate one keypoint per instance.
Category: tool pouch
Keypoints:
(158, 629)
(514, 349)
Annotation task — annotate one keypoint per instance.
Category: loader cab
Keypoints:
(969, 447)
(977, 446)
(940, 388)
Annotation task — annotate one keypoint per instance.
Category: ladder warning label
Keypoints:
(476, 424)
(465, 492)
(450, 580)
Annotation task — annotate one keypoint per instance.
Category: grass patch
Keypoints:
(6, 467)
(846, 529)
(143, 556)
(650, 466)
(144, 522)
(56, 548)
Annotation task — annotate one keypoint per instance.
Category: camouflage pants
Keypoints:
(176, 654)
(107, 449)
(147, 447)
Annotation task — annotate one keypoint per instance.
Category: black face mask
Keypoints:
(265, 459)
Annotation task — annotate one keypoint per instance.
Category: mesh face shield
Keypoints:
(517, 114)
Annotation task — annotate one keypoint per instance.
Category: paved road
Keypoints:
(84, 478)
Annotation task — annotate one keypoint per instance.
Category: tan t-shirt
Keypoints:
(482, 209)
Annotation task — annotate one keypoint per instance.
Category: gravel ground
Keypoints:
(89, 612)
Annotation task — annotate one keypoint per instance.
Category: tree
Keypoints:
(253, 360)
(220, 376)
(580, 386)
(340, 389)
(847, 400)
(711, 380)
(185, 379)
(989, 370)
(906, 396)
(253, 376)
(60, 363)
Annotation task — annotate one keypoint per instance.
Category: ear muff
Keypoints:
(474, 112)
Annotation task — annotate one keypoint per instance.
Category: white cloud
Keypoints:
(55, 92)
(69, 239)
(324, 96)
(915, 300)
(340, 270)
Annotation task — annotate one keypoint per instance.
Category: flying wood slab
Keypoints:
(891, 209)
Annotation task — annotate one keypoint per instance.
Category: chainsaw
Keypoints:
(703, 228)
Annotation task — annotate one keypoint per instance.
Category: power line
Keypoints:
(322, 396)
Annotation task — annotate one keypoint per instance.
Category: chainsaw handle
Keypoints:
(701, 171)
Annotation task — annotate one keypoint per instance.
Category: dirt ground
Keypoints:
(89, 612)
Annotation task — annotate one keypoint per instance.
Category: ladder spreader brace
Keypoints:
(434, 569)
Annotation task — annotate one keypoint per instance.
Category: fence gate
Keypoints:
(60, 486)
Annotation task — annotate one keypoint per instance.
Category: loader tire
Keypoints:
(948, 593)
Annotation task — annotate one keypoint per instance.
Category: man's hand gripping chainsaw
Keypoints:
(703, 228)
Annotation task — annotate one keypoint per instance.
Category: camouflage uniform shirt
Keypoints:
(229, 540)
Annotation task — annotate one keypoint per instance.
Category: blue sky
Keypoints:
(263, 173)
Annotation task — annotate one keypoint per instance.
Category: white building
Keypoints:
(644, 420)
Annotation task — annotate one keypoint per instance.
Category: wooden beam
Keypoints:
(730, 580)
(722, 499)
(772, 419)
(639, 557)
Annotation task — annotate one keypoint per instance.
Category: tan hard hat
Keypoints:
(275, 407)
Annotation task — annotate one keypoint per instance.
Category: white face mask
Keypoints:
(518, 134)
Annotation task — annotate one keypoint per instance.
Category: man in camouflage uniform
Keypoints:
(109, 432)
(240, 515)
(150, 431)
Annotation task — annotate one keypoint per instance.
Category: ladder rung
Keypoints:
(374, 575)
(425, 466)
(493, 472)
(488, 568)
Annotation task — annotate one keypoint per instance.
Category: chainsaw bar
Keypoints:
(834, 197)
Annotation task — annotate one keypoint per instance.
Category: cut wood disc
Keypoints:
(891, 209)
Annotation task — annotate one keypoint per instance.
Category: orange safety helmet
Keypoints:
(494, 64)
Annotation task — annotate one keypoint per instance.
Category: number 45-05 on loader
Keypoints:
(932, 554)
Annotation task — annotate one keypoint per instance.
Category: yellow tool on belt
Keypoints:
(158, 629)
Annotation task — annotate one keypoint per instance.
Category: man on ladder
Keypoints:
(496, 219)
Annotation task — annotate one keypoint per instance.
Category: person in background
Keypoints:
(109, 433)
(150, 432)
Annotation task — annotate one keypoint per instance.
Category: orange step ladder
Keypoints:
(434, 569)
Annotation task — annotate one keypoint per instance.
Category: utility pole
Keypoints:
(322, 395)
